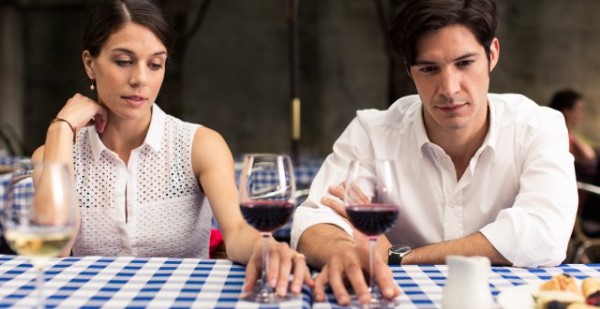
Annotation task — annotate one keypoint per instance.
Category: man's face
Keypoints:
(451, 73)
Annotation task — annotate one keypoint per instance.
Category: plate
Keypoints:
(518, 297)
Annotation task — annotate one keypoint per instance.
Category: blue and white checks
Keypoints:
(422, 285)
(110, 282)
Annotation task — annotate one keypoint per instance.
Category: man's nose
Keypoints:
(449, 83)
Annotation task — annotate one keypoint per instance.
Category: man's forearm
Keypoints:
(319, 242)
(475, 244)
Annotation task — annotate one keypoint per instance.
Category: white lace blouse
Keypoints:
(153, 206)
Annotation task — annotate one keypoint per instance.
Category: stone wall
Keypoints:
(236, 68)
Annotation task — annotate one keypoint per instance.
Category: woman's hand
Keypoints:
(81, 111)
(283, 261)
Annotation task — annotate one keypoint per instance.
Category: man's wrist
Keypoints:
(396, 254)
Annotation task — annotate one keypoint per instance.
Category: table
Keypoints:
(118, 282)
(94, 282)
(422, 285)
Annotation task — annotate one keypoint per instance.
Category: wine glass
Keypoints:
(370, 191)
(267, 186)
(40, 214)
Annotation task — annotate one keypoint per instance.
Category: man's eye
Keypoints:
(464, 63)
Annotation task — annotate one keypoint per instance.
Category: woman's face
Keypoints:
(129, 71)
(574, 116)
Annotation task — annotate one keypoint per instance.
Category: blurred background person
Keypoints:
(572, 105)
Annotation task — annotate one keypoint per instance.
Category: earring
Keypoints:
(93, 86)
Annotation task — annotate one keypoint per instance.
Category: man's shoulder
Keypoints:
(517, 107)
(394, 116)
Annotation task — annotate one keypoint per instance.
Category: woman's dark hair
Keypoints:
(414, 18)
(108, 16)
(564, 100)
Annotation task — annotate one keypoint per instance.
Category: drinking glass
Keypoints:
(267, 187)
(370, 190)
(39, 215)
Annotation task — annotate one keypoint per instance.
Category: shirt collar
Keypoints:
(153, 137)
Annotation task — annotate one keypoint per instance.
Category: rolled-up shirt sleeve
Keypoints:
(535, 231)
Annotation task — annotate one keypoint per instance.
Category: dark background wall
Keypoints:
(233, 73)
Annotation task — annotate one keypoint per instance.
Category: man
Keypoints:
(480, 174)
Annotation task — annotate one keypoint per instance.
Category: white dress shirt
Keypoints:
(149, 206)
(519, 189)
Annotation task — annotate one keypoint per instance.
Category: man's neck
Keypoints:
(461, 144)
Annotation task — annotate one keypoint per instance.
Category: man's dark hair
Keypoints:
(108, 16)
(564, 100)
(414, 18)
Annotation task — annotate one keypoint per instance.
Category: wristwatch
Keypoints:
(396, 253)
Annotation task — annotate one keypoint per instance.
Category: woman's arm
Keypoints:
(213, 166)
(78, 112)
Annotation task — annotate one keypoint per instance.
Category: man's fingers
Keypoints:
(385, 280)
(335, 205)
(337, 191)
(358, 283)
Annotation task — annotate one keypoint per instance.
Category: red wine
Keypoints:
(373, 220)
(267, 216)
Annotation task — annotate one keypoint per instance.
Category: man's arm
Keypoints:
(320, 242)
(474, 244)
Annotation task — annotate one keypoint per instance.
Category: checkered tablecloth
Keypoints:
(183, 283)
(304, 174)
(422, 285)
(109, 282)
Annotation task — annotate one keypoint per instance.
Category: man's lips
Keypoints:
(451, 107)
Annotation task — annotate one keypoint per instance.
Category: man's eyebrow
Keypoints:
(463, 57)
(127, 51)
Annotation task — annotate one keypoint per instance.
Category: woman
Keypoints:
(571, 104)
(142, 174)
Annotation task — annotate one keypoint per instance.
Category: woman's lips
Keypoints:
(134, 100)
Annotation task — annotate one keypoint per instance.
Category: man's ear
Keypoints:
(494, 53)
(88, 64)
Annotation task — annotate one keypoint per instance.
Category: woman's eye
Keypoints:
(155, 66)
(123, 63)
(428, 69)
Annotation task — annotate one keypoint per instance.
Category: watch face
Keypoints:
(400, 250)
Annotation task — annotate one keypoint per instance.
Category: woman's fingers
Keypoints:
(251, 275)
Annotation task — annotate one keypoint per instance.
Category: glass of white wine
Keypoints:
(40, 213)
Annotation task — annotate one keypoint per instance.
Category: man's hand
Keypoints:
(346, 269)
(336, 203)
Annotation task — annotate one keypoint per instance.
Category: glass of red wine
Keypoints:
(370, 191)
(267, 186)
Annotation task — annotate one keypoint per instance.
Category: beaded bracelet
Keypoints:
(68, 123)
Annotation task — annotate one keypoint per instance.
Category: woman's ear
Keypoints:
(88, 64)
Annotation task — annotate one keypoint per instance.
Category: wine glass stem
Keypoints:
(372, 284)
(265, 260)
(39, 285)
